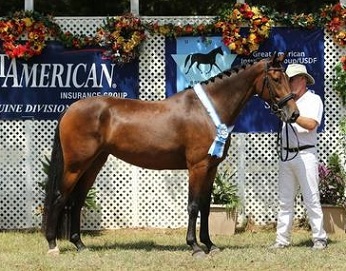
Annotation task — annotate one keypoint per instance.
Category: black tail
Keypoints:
(55, 175)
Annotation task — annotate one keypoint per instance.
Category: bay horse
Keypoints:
(206, 59)
(174, 133)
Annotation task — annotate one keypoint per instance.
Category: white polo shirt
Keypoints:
(310, 105)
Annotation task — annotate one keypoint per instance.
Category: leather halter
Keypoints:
(274, 105)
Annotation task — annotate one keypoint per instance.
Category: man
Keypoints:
(301, 167)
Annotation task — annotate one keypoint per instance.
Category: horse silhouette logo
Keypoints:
(205, 59)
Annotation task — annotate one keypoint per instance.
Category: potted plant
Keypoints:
(224, 204)
(333, 185)
(332, 194)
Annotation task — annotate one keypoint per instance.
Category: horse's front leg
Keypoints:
(204, 230)
(200, 184)
(205, 210)
(191, 240)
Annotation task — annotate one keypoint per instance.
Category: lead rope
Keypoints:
(279, 143)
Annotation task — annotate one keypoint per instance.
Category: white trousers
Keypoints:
(301, 172)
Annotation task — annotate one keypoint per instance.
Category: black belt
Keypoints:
(299, 148)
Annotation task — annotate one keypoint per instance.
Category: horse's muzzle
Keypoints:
(294, 116)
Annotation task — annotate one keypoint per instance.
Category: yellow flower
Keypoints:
(120, 40)
(341, 35)
(127, 47)
(164, 30)
(33, 36)
(252, 38)
(254, 46)
(256, 11)
(236, 15)
(136, 38)
(232, 46)
(28, 22)
(38, 47)
(115, 34)
(263, 31)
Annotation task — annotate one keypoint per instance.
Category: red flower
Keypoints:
(334, 24)
(188, 29)
(201, 28)
(343, 62)
(337, 24)
(337, 8)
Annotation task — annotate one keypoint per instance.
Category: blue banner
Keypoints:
(43, 87)
(301, 45)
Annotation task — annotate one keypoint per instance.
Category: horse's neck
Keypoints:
(230, 94)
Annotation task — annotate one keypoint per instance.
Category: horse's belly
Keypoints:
(153, 160)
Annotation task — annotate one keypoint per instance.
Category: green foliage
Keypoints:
(225, 192)
(90, 201)
(302, 20)
(342, 129)
(339, 83)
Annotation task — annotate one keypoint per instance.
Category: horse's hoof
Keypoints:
(82, 249)
(54, 251)
(199, 254)
(214, 250)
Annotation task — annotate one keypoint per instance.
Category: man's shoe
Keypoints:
(320, 244)
(278, 245)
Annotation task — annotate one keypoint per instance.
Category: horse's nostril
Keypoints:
(294, 116)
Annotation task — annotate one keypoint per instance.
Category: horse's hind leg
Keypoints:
(61, 198)
(53, 215)
(79, 195)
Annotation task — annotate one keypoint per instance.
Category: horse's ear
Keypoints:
(278, 58)
(273, 58)
(282, 56)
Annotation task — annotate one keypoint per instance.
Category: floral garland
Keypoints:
(24, 33)
(122, 37)
(231, 23)
(33, 26)
(336, 22)
(172, 31)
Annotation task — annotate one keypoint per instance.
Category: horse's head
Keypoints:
(273, 87)
(218, 50)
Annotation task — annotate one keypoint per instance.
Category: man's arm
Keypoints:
(307, 123)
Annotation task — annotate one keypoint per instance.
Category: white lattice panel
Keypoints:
(129, 196)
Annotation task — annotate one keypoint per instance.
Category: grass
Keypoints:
(165, 249)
